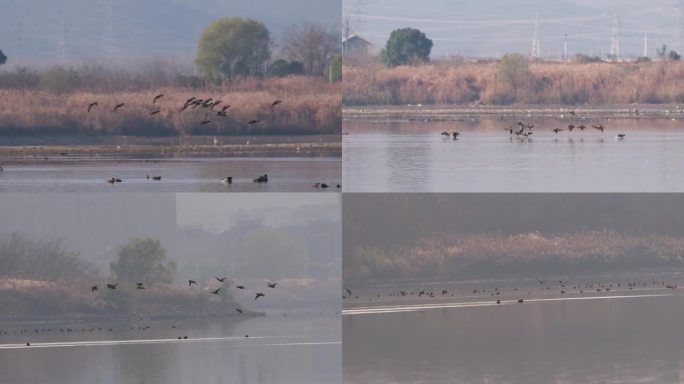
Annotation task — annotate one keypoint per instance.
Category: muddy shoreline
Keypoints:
(56, 154)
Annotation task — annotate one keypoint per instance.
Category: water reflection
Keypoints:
(182, 175)
(302, 350)
(635, 339)
(415, 157)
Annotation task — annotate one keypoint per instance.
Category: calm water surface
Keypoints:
(286, 174)
(625, 336)
(279, 350)
(414, 157)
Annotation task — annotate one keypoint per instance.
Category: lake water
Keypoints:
(285, 174)
(278, 350)
(414, 157)
(621, 336)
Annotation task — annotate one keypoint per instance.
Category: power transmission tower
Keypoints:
(615, 40)
(679, 27)
(536, 44)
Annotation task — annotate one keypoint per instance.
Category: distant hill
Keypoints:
(76, 29)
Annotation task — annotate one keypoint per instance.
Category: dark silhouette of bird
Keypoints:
(621, 136)
(112, 286)
(273, 104)
(216, 292)
(139, 286)
(191, 282)
(258, 295)
(252, 122)
(571, 127)
(158, 178)
(227, 180)
(118, 106)
(271, 285)
(155, 111)
(261, 179)
(556, 130)
(581, 127)
(520, 300)
(239, 310)
(91, 105)
(455, 135)
(510, 130)
(598, 126)
(498, 301)
(572, 112)
(240, 286)
(204, 122)
(348, 291)
(221, 279)
(159, 96)
(94, 288)
(445, 133)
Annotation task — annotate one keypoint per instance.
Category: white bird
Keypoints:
(215, 141)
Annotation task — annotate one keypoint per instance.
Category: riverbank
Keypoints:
(428, 113)
(56, 154)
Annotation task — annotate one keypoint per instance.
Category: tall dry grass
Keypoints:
(523, 255)
(370, 83)
(310, 106)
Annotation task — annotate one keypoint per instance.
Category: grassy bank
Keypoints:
(524, 256)
(31, 299)
(462, 83)
(310, 106)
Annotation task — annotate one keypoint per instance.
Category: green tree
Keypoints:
(513, 69)
(406, 46)
(143, 260)
(3, 58)
(674, 55)
(282, 68)
(233, 47)
(60, 80)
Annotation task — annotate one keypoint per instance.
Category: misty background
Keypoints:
(245, 237)
(42, 32)
(491, 28)
(427, 236)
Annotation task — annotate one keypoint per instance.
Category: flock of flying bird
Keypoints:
(216, 291)
(524, 130)
(209, 104)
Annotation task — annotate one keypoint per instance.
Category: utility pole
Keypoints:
(645, 45)
(565, 48)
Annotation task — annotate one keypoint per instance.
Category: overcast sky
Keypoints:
(54, 30)
(486, 28)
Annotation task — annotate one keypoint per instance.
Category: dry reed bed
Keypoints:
(548, 83)
(310, 106)
(528, 255)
